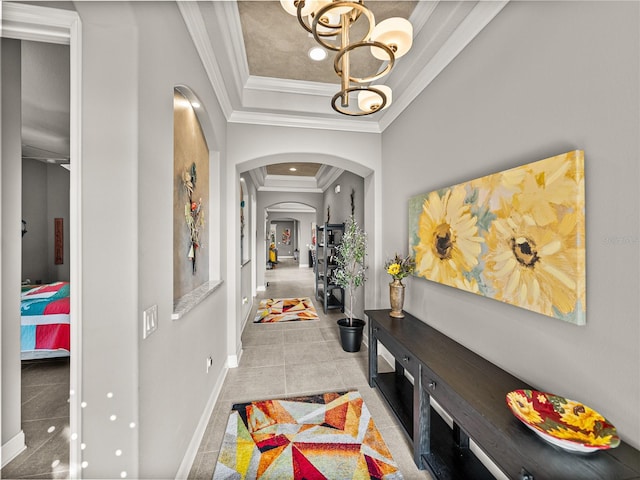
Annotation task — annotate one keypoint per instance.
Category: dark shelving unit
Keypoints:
(328, 238)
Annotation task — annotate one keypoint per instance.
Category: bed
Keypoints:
(44, 321)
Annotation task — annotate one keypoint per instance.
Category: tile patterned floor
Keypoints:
(279, 360)
(294, 358)
(45, 421)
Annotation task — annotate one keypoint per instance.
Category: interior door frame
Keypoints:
(50, 25)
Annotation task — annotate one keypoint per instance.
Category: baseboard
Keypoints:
(196, 440)
(13, 448)
(233, 361)
(246, 317)
(304, 265)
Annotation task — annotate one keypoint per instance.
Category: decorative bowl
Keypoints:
(564, 423)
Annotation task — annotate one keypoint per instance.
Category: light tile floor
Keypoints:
(45, 421)
(294, 358)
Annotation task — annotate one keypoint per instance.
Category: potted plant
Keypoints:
(350, 274)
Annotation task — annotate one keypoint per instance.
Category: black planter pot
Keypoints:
(351, 335)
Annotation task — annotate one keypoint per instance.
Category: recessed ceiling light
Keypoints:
(293, 169)
(317, 53)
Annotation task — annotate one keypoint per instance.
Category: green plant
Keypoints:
(351, 271)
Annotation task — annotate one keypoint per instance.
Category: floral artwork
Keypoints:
(193, 212)
(565, 423)
(286, 237)
(517, 236)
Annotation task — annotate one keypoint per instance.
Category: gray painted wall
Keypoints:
(34, 212)
(11, 193)
(45, 196)
(133, 57)
(543, 78)
(57, 207)
(248, 267)
(174, 386)
(340, 204)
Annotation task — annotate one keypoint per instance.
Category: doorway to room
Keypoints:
(46, 409)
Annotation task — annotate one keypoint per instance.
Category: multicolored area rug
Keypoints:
(325, 436)
(285, 310)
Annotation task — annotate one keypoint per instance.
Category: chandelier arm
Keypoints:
(307, 26)
(303, 24)
(331, 6)
(357, 113)
(344, 52)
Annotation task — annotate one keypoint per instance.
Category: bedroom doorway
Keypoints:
(42, 25)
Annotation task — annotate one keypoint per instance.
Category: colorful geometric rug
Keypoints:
(285, 310)
(325, 436)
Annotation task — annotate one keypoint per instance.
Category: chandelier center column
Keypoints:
(344, 37)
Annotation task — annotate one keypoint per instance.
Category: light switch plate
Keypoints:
(149, 321)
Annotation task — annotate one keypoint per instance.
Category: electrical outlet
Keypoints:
(149, 321)
(209, 363)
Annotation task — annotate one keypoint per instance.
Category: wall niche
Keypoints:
(190, 199)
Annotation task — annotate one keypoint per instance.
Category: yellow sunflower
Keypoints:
(581, 416)
(523, 407)
(449, 242)
(532, 266)
(550, 183)
(463, 283)
(580, 437)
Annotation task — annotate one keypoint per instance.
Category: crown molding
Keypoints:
(422, 13)
(233, 41)
(290, 189)
(197, 29)
(284, 85)
(30, 22)
(257, 176)
(327, 175)
(469, 28)
(303, 121)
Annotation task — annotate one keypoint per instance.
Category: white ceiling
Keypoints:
(45, 101)
(262, 75)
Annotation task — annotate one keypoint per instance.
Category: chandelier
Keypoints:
(330, 23)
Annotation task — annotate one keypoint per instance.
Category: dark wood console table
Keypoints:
(472, 391)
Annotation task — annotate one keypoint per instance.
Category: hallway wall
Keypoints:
(134, 54)
(11, 248)
(45, 196)
(542, 79)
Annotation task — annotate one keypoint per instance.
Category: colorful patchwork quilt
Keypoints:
(44, 321)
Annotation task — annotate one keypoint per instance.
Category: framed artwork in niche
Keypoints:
(58, 249)
(516, 236)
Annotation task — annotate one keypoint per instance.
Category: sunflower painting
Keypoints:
(516, 236)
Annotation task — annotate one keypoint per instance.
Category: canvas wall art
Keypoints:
(517, 236)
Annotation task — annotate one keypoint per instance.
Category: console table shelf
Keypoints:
(472, 391)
